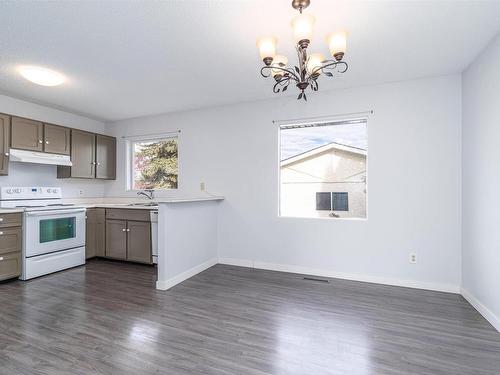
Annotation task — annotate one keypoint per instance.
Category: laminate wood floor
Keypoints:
(107, 318)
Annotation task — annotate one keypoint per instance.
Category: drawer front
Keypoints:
(10, 240)
(10, 265)
(124, 214)
(10, 220)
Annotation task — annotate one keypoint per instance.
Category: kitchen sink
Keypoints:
(149, 204)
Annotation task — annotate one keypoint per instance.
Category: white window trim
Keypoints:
(129, 142)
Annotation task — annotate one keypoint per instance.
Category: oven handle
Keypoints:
(54, 212)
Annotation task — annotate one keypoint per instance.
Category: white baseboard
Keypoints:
(167, 284)
(483, 310)
(449, 288)
(236, 262)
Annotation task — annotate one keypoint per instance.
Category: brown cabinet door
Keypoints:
(26, 134)
(105, 157)
(56, 139)
(90, 239)
(116, 239)
(139, 241)
(100, 232)
(95, 233)
(4, 144)
(10, 240)
(82, 154)
(10, 265)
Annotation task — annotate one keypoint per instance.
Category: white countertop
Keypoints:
(123, 202)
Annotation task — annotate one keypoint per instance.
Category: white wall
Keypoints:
(414, 183)
(23, 174)
(481, 183)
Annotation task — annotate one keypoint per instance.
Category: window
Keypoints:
(153, 164)
(332, 201)
(323, 169)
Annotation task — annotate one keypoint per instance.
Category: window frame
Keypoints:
(362, 115)
(129, 156)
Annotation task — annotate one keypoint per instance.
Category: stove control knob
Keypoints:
(18, 190)
(9, 191)
(54, 191)
(49, 191)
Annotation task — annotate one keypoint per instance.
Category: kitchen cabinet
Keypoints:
(57, 139)
(92, 155)
(139, 241)
(82, 156)
(95, 241)
(128, 235)
(26, 134)
(10, 245)
(105, 157)
(116, 239)
(4, 144)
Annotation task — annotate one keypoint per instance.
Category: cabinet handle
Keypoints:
(1, 233)
(1, 258)
(7, 154)
(124, 230)
(1, 219)
(46, 142)
(98, 163)
(128, 230)
(40, 141)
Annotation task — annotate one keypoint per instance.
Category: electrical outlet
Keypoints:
(413, 258)
(80, 192)
(202, 186)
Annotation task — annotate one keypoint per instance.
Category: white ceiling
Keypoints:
(129, 59)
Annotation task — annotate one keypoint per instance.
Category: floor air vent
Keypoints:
(316, 279)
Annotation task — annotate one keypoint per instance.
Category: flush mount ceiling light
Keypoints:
(309, 67)
(41, 76)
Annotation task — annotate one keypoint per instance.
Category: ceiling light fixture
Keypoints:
(309, 67)
(41, 76)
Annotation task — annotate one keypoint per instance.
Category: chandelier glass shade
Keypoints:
(310, 66)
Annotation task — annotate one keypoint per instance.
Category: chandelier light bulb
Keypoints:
(337, 42)
(314, 61)
(302, 26)
(276, 61)
(267, 48)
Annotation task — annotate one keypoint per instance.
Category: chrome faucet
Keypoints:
(148, 193)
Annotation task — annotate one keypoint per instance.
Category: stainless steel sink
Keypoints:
(148, 204)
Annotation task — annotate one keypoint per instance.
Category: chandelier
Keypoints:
(309, 67)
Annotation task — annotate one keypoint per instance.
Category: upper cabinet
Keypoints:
(27, 134)
(4, 144)
(105, 157)
(57, 139)
(82, 156)
(92, 155)
(36, 136)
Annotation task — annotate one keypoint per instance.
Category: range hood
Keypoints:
(39, 157)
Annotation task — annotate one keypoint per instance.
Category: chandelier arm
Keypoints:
(283, 82)
(292, 74)
(330, 65)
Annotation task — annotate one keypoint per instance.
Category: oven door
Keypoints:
(49, 231)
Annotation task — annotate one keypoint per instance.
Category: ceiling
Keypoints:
(130, 59)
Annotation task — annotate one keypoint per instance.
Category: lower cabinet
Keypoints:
(10, 245)
(116, 239)
(128, 235)
(139, 241)
(95, 234)
(117, 233)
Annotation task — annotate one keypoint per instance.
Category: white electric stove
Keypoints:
(53, 232)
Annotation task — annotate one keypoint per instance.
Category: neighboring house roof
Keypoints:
(321, 149)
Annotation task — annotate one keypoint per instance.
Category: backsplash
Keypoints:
(26, 174)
